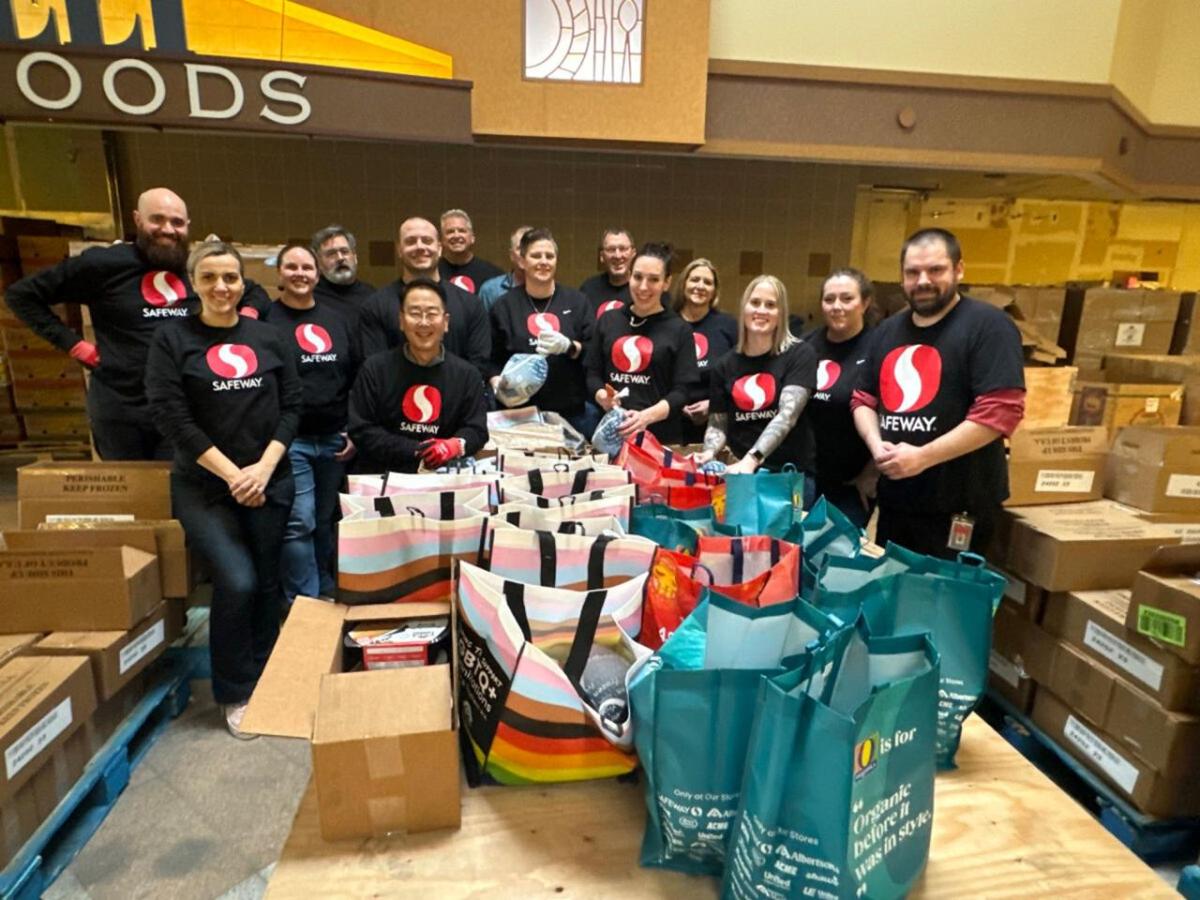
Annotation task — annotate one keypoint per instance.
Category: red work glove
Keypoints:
(439, 451)
(85, 352)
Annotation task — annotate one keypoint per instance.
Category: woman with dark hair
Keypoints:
(321, 343)
(714, 333)
(543, 316)
(642, 357)
(224, 389)
(760, 390)
(845, 473)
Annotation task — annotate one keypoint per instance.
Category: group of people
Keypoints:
(263, 405)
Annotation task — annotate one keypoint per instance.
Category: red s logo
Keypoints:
(701, 345)
(910, 378)
(539, 322)
(232, 360)
(608, 306)
(632, 353)
(754, 392)
(313, 338)
(422, 403)
(161, 288)
(464, 282)
(828, 373)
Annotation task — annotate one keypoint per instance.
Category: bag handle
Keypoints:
(547, 558)
(595, 570)
(383, 484)
(570, 526)
(416, 512)
(739, 559)
(514, 596)
(513, 518)
(536, 483)
(447, 505)
(585, 636)
(385, 506)
(579, 482)
(561, 467)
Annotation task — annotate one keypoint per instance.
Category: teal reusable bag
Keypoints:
(838, 796)
(693, 704)
(765, 502)
(955, 609)
(677, 529)
(824, 532)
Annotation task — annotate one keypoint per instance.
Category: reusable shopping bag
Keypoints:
(436, 505)
(518, 513)
(825, 531)
(407, 557)
(554, 483)
(644, 451)
(523, 376)
(693, 706)
(674, 528)
(837, 799)
(511, 462)
(575, 562)
(764, 502)
(530, 712)
(954, 608)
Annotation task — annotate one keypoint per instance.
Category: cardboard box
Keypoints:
(117, 657)
(43, 701)
(110, 588)
(164, 538)
(1155, 469)
(385, 753)
(1157, 369)
(1152, 792)
(142, 489)
(34, 801)
(1094, 621)
(1100, 320)
(1056, 465)
(1021, 657)
(1098, 400)
(1027, 599)
(15, 644)
(1164, 604)
(1080, 546)
(111, 713)
(1049, 392)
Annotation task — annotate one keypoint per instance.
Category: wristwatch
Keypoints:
(758, 457)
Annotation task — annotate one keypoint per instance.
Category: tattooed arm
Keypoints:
(792, 400)
(714, 437)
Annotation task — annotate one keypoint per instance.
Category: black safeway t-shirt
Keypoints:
(714, 336)
(654, 357)
(468, 276)
(348, 299)
(517, 319)
(603, 295)
(396, 404)
(841, 453)
(747, 389)
(319, 339)
(926, 380)
(233, 388)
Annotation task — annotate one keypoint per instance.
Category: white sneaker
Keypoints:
(234, 712)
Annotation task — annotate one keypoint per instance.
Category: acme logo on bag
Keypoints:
(316, 343)
(422, 406)
(632, 353)
(753, 393)
(163, 292)
(235, 363)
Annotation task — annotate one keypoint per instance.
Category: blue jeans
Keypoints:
(308, 542)
(241, 547)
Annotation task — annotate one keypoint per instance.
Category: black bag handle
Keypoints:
(447, 505)
(547, 558)
(571, 527)
(416, 512)
(585, 636)
(383, 484)
(514, 596)
(513, 518)
(579, 482)
(595, 569)
(776, 551)
(739, 559)
(385, 506)
(536, 484)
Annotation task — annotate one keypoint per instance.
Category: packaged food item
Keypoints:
(416, 643)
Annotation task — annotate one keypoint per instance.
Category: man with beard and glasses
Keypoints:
(339, 286)
(131, 290)
(941, 384)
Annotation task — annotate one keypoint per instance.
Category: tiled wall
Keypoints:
(268, 189)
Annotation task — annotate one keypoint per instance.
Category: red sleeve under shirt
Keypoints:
(1000, 410)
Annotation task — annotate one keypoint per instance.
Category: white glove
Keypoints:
(552, 343)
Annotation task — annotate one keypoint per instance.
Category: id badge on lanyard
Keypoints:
(962, 527)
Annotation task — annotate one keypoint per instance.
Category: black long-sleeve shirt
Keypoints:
(396, 404)
(234, 388)
(323, 350)
(348, 299)
(655, 358)
(517, 319)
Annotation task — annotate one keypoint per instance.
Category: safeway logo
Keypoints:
(828, 373)
(313, 338)
(465, 282)
(701, 345)
(910, 378)
(609, 306)
(539, 322)
(632, 354)
(161, 288)
(232, 360)
(422, 403)
(754, 392)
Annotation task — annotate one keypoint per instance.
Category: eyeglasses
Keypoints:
(335, 252)
(424, 315)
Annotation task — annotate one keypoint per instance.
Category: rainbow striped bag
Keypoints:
(522, 651)
(554, 484)
(436, 505)
(530, 515)
(569, 561)
(408, 557)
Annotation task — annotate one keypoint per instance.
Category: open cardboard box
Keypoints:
(1164, 604)
(385, 742)
(1156, 469)
(1056, 465)
(140, 489)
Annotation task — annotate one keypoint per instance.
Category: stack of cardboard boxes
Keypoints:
(87, 605)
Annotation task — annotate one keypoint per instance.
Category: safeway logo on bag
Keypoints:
(701, 343)
(910, 378)
(828, 373)
(163, 292)
(609, 306)
(313, 338)
(234, 362)
(752, 393)
(422, 403)
(465, 282)
(539, 322)
(632, 353)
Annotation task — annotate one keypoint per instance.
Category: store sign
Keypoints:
(228, 63)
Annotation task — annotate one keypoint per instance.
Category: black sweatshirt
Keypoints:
(469, 335)
(517, 319)
(323, 350)
(602, 293)
(841, 453)
(469, 276)
(655, 359)
(396, 404)
(348, 299)
(233, 388)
